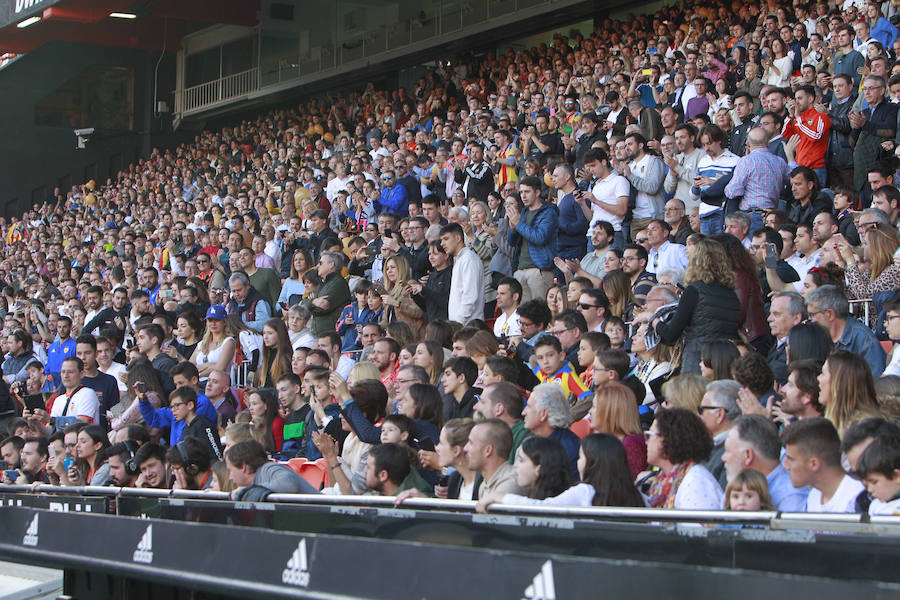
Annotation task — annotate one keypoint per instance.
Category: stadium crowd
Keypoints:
(614, 270)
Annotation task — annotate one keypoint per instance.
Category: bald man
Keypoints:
(759, 178)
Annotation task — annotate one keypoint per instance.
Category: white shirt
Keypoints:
(466, 287)
(113, 371)
(803, 267)
(667, 256)
(84, 403)
(345, 363)
(608, 190)
(507, 324)
(843, 500)
(335, 185)
(611, 118)
(580, 494)
(699, 490)
(885, 508)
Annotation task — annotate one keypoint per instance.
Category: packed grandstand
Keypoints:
(654, 266)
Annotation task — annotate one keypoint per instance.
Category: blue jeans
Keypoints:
(821, 174)
(756, 221)
(712, 223)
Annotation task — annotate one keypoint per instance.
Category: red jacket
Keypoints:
(813, 128)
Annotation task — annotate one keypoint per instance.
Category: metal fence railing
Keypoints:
(844, 522)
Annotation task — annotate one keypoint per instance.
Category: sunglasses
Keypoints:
(586, 306)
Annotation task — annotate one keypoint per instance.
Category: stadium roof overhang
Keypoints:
(144, 24)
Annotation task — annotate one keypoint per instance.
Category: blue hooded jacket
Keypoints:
(541, 236)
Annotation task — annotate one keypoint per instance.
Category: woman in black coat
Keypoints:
(707, 310)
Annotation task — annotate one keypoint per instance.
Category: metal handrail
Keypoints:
(821, 521)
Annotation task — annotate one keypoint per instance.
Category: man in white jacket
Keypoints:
(467, 282)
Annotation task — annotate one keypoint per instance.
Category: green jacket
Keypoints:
(519, 434)
(336, 290)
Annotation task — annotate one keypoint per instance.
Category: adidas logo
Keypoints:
(297, 570)
(31, 534)
(542, 587)
(144, 552)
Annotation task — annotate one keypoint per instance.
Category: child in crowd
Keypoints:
(591, 343)
(749, 490)
(879, 469)
(354, 316)
(615, 330)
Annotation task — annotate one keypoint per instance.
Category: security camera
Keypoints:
(82, 136)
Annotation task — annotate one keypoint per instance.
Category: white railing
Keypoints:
(449, 19)
(219, 91)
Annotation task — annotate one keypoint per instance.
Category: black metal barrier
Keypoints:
(847, 549)
(254, 563)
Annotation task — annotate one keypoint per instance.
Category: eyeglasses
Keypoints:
(889, 317)
(640, 240)
(556, 332)
(702, 409)
(176, 404)
(525, 323)
(203, 260)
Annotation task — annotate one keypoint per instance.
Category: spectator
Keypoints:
(663, 254)
(533, 236)
(609, 195)
(786, 310)
(487, 451)
(718, 409)
(329, 298)
(256, 478)
(475, 176)
(758, 178)
(76, 400)
(247, 302)
(123, 471)
(614, 412)
(879, 468)
(871, 127)
(467, 283)
(646, 173)
(812, 457)
(840, 150)
(714, 171)
(753, 443)
(708, 308)
(575, 213)
(503, 401)
(678, 444)
(829, 307)
(547, 415)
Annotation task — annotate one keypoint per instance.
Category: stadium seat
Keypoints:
(315, 472)
(581, 428)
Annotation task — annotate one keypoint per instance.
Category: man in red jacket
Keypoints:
(812, 126)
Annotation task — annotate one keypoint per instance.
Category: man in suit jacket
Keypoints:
(839, 160)
(871, 127)
(787, 309)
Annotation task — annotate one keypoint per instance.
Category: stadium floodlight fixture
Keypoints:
(122, 15)
(28, 21)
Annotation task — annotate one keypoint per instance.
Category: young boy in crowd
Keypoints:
(553, 367)
(458, 378)
(879, 469)
(354, 316)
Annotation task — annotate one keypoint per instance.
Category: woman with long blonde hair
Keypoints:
(707, 310)
(398, 298)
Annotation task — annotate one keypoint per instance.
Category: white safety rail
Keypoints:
(775, 520)
(440, 22)
(220, 91)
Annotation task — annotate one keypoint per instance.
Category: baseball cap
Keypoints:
(216, 312)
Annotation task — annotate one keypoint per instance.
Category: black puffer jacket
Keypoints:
(705, 312)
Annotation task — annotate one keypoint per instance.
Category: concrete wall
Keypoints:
(34, 158)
